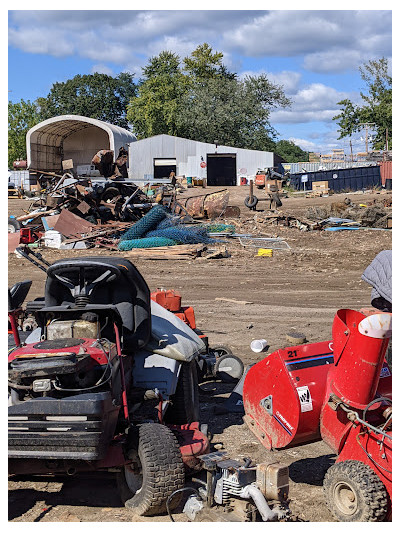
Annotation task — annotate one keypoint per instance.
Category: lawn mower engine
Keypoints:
(340, 392)
(243, 491)
(72, 363)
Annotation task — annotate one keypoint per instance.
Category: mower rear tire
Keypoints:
(184, 407)
(13, 225)
(354, 493)
(159, 471)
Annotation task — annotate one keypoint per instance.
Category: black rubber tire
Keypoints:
(221, 349)
(251, 204)
(354, 481)
(162, 469)
(225, 376)
(184, 407)
(13, 225)
(110, 193)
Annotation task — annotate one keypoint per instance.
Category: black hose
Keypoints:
(376, 400)
(176, 492)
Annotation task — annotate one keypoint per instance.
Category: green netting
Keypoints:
(148, 222)
(183, 234)
(146, 242)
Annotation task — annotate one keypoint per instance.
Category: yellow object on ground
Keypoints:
(362, 205)
(264, 252)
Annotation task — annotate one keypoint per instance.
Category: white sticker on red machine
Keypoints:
(305, 398)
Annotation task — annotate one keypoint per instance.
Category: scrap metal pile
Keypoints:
(80, 212)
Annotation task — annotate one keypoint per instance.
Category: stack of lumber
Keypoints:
(179, 251)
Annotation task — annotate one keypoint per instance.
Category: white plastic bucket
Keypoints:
(258, 345)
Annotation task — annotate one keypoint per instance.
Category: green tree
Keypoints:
(290, 152)
(377, 106)
(234, 112)
(22, 116)
(154, 110)
(203, 64)
(96, 95)
(202, 100)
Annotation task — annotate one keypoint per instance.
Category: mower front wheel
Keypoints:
(354, 493)
(155, 473)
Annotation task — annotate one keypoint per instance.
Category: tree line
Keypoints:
(197, 98)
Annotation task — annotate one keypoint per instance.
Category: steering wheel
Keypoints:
(76, 277)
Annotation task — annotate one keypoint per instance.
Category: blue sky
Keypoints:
(314, 55)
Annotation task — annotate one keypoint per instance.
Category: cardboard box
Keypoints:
(320, 186)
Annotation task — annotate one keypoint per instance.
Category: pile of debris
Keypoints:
(372, 214)
(79, 212)
(159, 234)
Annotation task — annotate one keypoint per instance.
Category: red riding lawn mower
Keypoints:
(107, 381)
(114, 386)
(340, 392)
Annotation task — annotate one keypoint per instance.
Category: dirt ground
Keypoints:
(299, 290)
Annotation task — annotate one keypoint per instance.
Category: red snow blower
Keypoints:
(340, 392)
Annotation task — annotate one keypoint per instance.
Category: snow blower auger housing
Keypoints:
(338, 391)
(75, 401)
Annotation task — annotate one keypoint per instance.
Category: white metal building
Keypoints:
(155, 157)
(72, 137)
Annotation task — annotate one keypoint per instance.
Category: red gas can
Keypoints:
(169, 299)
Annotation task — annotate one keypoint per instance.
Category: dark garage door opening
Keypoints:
(221, 169)
(163, 168)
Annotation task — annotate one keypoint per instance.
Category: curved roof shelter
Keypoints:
(72, 137)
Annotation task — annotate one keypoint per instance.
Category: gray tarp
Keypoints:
(379, 275)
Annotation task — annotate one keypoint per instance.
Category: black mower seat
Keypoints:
(104, 281)
(17, 294)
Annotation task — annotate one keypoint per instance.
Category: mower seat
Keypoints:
(127, 292)
(17, 294)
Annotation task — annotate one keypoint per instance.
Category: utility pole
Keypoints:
(351, 150)
(366, 124)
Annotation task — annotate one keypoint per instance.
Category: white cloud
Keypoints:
(331, 41)
(290, 80)
(33, 40)
(324, 35)
(102, 69)
(313, 103)
(304, 144)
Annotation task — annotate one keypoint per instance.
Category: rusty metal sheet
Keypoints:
(195, 206)
(69, 224)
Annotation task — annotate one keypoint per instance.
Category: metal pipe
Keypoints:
(252, 492)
